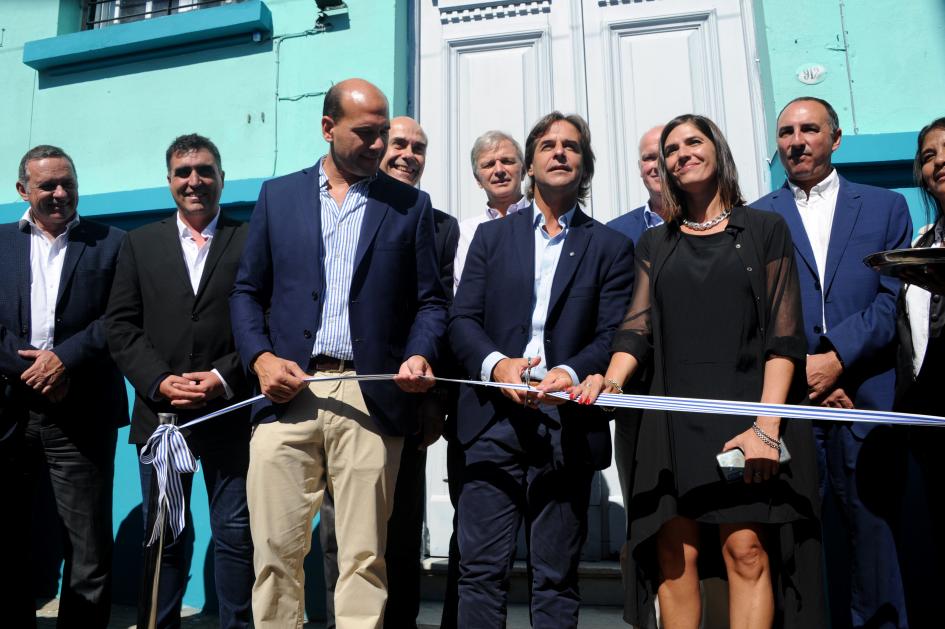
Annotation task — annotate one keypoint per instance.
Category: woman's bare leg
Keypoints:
(677, 551)
(751, 598)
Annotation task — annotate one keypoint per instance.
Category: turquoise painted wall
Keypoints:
(116, 122)
(885, 64)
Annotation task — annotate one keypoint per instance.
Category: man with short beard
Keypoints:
(405, 161)
(369, 300)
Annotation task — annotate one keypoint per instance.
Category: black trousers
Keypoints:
(78, 456)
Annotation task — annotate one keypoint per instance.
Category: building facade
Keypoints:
(114, 82)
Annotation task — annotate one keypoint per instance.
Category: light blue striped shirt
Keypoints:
(341, 228)
(547, 253)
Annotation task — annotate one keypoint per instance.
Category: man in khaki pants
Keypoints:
(338, 276)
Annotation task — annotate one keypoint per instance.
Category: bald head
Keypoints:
(351, 93)
(649, 163)
(355, 125)
(406, 150)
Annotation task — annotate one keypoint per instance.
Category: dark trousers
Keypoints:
(79, 457)
(455, 469)
(404, 540)
(865, 477)
(515, 471)
(224, 469)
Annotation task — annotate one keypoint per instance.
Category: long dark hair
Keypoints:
(674, 201)
(931, 203)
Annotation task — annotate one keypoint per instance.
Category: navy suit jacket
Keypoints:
(396, 307)
(492, 311)
(96, 395)
(630, 224)
(860, 303)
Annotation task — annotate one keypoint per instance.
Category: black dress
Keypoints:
(709, 311)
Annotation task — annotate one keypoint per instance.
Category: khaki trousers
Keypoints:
(325, 438)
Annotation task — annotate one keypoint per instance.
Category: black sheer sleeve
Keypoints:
(635, 334)
(785, 321)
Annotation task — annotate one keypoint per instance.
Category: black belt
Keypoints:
(330, 363)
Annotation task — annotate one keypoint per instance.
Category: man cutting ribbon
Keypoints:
(558, 300)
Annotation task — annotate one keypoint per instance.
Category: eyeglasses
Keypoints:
(183, 172)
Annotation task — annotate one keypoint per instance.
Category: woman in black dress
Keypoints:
(716, 307)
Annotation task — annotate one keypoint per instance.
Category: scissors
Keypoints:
(527, 378)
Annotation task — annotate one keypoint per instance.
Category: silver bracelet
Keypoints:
(614, 385)
(766, 438)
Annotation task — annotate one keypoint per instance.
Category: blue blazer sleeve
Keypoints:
(467, 336)
(429, 325)
(252, 289)
(861, 335)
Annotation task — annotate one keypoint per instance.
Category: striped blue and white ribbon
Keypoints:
(168, 452)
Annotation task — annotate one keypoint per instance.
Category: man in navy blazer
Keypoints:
(63, 399)
(549, 315)
(338, 277)
(850, 322)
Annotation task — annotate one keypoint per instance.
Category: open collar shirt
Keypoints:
(817, 210)
(47, 256)
(195, 259)
(341, 228)
(547, 254)
(467, 229)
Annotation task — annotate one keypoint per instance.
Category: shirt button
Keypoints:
(749, 269)
(738, 245)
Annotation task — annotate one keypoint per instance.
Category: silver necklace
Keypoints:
(709, 224)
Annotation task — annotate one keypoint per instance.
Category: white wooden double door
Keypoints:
(625, 65)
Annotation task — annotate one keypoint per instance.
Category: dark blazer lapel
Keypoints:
(21, 253)
(523, 243)
(218, 244)
(374, 214)
(175, 249)
(73, 252)
(573, 248)
(844, 220)
(784, 203)
(310, 220)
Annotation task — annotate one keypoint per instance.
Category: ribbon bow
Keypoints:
(167, 451)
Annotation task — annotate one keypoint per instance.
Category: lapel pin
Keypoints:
(571, 253)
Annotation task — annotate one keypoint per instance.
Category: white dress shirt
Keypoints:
(195, 258)
(467, 229)
(918, 303)
(46, 259)
(547, 253)
(817, 210)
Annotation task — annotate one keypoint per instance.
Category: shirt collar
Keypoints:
(184, 231)
(651, 218)
(564, 220)
(828, 186)
(515, 207)
(323, 176)
(26, 221)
